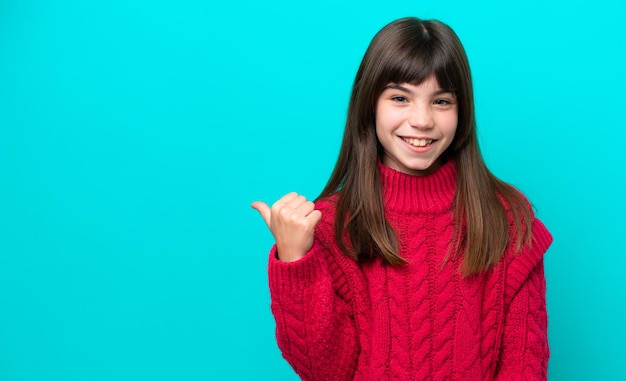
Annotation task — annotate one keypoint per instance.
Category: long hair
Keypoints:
(410, 50)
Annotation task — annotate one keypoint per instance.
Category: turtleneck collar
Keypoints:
(432, 193)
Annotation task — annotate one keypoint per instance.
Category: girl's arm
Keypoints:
(524, 353)
(525, 350)
(315, 327)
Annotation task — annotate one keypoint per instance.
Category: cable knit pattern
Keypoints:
(337, 320)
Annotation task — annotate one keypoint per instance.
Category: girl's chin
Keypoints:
(416, 169)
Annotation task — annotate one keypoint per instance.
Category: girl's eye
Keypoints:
(442, 102)
(399, 99)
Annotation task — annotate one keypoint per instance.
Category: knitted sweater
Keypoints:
(338, 320)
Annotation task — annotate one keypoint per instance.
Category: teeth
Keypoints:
(418, 142)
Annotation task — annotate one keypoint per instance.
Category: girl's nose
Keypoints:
(421, 117)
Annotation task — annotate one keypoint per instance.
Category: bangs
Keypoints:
(415, 63)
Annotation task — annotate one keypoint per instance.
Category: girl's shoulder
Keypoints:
(518, 208)
(522, 260)
(520, 265)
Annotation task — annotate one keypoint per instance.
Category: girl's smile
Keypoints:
(415, 124)
(418, 142)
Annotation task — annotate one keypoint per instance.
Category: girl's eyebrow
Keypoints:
(395, 86)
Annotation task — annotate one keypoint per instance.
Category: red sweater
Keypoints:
(337, 320)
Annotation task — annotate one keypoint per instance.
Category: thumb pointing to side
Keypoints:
(291, 220)
(264, 211)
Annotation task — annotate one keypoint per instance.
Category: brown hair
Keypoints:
(410, 50)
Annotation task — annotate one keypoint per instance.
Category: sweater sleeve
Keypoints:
(315, 327)
(525, 352)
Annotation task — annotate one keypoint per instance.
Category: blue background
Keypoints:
(135, 134)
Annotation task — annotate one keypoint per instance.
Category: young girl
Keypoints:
(416, 262)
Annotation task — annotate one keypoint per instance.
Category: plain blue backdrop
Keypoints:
(134, 135)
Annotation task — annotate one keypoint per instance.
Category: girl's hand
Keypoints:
(292, 221)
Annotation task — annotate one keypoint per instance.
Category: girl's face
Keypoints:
(415, 124)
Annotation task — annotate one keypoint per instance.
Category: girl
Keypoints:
(415, 262)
